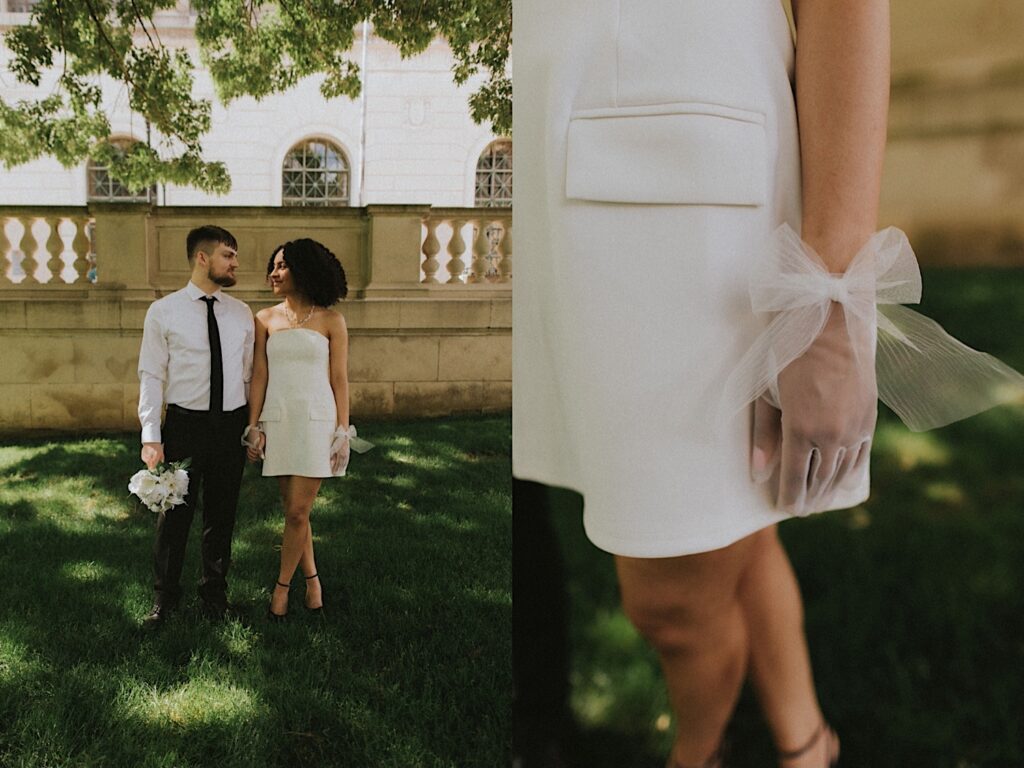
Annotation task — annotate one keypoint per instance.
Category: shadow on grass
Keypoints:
(415, 671)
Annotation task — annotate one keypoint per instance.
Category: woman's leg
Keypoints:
(297, 495)
(307, 564)
(780, 665)
(688, 608)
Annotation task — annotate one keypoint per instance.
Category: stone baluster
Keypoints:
(505, 267)
(431, 247)
(456, 247)
(480, 249)
(55, 247)
(28, 247)
(492, 232)
(80, 245)
(6, 246)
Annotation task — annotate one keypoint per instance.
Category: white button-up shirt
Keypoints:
(174, 362)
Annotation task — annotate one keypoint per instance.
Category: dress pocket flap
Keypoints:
(321, 412)
(688, 153)
(271, 413)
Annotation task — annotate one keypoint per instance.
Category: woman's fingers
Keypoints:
(863, 456)
(844, 468)
(764, 451)
(822, 479)
(849, 469)
(794, 472)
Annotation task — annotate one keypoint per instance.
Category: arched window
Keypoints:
(494, 175)
(104, 188)
(315, 173)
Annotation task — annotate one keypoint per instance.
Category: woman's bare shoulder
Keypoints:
(335, 321)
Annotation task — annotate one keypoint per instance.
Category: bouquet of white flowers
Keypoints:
(161, 488)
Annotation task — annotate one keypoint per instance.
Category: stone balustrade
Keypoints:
(477, 246)
(46, 246)
(76, 284)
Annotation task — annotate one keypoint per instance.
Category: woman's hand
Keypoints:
(341, 451)
(829, 403)
(255, 443)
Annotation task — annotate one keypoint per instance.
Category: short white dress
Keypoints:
(656, 151)
(299, 413)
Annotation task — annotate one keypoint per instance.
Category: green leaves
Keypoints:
(94, 39)
(250, 48)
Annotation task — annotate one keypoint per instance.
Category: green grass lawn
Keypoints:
(915, 601)
(416, 672)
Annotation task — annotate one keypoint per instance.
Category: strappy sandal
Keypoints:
(277, 618)
(823, 729)
(715, 761)
(320, 608)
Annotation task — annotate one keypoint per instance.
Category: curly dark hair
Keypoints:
(317, 273)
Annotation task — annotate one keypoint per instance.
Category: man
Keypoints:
(196, 357)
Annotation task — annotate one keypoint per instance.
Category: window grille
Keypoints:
(315, 173)
(494, 175)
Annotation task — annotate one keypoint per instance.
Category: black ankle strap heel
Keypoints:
(320, 608)
(715, 761)
(823, 730)
(278, 617)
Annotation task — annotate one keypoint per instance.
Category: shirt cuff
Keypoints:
(151, 433)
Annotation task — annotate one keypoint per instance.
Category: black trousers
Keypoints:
(540, 642)
(218, 459)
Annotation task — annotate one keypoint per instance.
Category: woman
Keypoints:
(298, 400)
(660, 181)
(656, 153)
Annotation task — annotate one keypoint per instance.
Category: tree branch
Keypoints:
(63, 40)
(142, 23)
(110, 44)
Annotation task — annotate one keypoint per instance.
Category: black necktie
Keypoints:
(216, 361)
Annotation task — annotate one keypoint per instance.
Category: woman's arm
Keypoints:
(338, 338)
(258, 385)
(828, 396)
(842, 101)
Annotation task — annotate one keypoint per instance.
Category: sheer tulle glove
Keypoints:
(254, 439)
(834, 338)
(816, 427)
(344, 442)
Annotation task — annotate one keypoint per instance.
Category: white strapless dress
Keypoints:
(299, 414)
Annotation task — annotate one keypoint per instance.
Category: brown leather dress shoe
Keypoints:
(157, 615)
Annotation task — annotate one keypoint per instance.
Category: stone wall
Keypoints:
(70, 350)
(954, 170)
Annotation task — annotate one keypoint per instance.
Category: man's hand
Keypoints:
(152, 454)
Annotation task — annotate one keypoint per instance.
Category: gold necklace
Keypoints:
(293, 319)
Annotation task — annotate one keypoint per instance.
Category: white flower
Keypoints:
(142, 482)
(177, 481)
(160, 491)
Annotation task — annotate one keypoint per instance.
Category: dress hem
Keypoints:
(660, 547)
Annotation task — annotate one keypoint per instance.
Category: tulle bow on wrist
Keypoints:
(349, 434)
(344, 441)
(927, 377)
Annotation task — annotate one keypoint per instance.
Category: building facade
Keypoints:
(408, 139)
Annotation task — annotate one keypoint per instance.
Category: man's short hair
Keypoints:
(201, 238)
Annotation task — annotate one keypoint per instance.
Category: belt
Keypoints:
(190, 412)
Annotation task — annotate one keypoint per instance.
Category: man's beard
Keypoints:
(225, 280)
